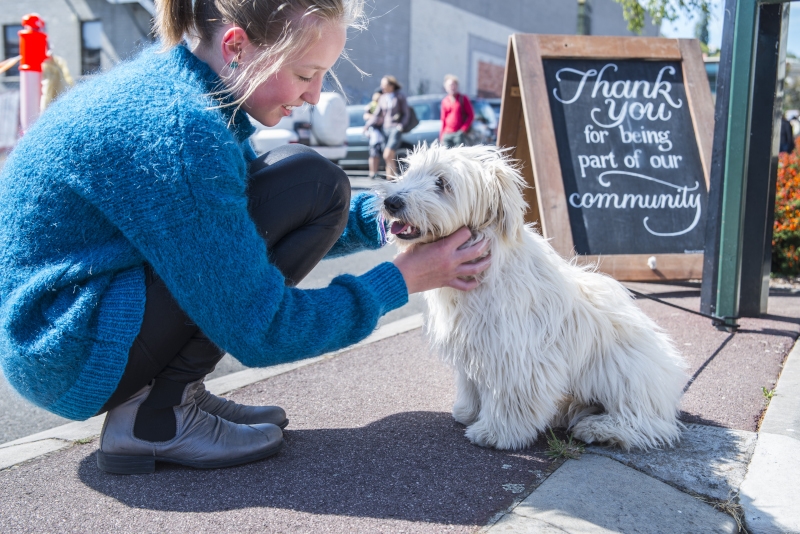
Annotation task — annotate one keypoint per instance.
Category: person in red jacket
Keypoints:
(457, 115)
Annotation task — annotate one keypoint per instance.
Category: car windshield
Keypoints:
(356, 114)
(427, 111)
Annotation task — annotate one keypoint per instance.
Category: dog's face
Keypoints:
(444, 189)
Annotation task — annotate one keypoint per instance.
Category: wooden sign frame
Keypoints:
(526, 126)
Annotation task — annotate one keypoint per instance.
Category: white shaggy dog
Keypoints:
(541, 341)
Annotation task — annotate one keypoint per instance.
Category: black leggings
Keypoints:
(299, 202)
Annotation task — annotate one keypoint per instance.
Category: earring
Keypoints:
(234, 64)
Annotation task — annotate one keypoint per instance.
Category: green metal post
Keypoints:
(736, 159)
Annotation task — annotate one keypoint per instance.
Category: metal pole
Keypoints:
(708, 291)
(736, 163)
(769, 71)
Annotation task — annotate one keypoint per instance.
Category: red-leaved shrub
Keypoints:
(786, 231)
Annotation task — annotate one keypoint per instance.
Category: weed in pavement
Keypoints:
(558, 448)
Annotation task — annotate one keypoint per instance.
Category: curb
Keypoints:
(58, 438)
(769, 491)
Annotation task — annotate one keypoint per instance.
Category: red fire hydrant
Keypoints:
(33, 49)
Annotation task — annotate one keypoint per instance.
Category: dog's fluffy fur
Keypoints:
(542, 341)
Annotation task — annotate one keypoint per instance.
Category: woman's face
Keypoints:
(451, 86)
(386, 86)
(298, 81)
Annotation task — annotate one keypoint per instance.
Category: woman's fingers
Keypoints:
(475, 251)
(464, 285)
(474, 269)
(457, 238)
(444, 263)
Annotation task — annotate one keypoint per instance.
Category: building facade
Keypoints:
(91, 35)
(418, 41)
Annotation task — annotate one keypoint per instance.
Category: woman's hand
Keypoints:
(442, 264)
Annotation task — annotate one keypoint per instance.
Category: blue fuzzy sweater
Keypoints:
(133, 167)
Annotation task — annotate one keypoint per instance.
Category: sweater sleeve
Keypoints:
(185, 210)
(365, 228)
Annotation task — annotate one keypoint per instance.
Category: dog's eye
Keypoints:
(440, 184)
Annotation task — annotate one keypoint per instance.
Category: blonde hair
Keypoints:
(281, 29)
(450, 77)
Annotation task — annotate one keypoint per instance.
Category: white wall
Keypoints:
(440, 44)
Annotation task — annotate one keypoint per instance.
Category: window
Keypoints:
(91, 46)
(11, 46)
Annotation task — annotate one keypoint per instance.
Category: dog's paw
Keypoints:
(480, 434)
(610, 430)
(499, 436)
(465, 415)
(604, 429)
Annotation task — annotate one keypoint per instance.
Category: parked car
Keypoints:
(428, 110)
(323, 127)
(494, 104)
(357, 142)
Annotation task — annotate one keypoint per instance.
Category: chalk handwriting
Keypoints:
(623, 89)
(683, 198)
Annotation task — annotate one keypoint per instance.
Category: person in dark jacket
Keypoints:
(787, 136)
(393, 113)
(375, 135)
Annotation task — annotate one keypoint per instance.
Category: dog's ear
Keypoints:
(508, 184)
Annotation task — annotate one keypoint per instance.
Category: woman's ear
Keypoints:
(234, 44)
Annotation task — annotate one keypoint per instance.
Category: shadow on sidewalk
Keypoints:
(414, 466)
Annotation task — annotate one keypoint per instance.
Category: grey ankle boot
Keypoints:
(239, 413)
(133, 436)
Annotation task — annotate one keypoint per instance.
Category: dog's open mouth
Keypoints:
(404, 230)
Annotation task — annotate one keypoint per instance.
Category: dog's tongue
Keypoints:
(398, 227)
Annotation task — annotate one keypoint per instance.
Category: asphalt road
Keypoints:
(19, 418)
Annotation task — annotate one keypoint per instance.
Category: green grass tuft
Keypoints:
(558, 448)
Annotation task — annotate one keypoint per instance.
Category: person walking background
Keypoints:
(141, 238)
(793, 116)
(786, 143)
(377, 140)
(393, 113)
(457, 115)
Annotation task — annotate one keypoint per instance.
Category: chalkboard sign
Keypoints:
(615, 135)
(632, 177)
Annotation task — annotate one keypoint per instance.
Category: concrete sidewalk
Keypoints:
(372, 448)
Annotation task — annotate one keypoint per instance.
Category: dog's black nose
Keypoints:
(394, 204)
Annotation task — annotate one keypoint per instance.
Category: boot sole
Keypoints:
(141, 465)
